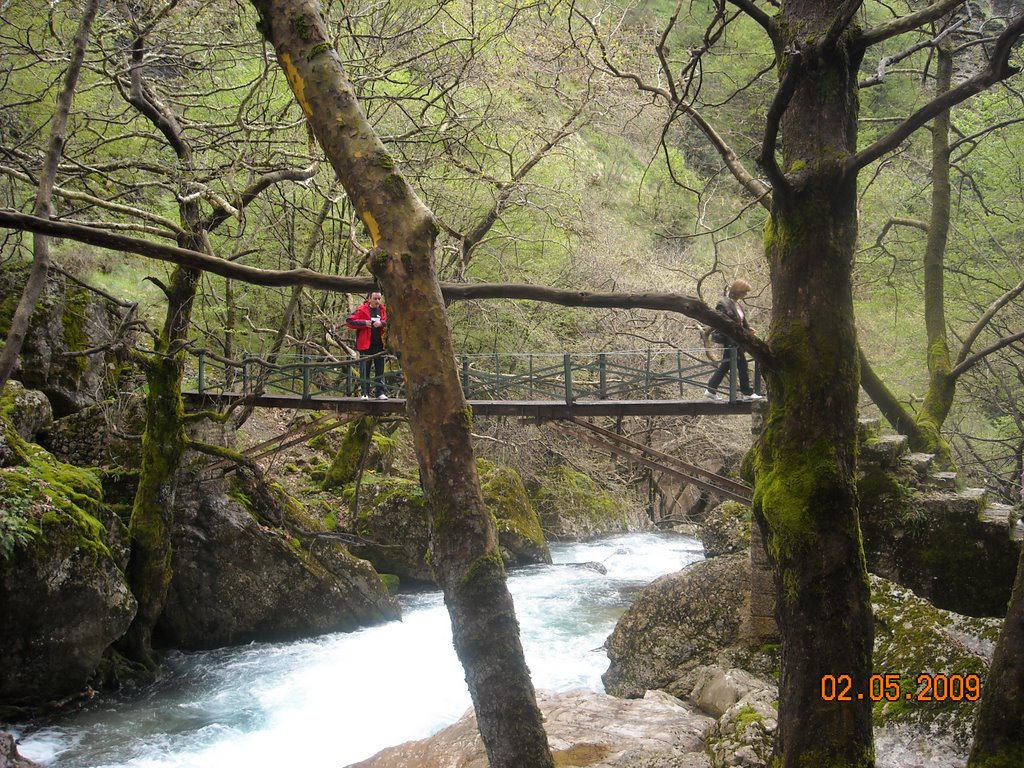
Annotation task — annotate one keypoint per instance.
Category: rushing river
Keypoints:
(337, 699)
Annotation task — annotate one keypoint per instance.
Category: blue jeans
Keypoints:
(376, 359)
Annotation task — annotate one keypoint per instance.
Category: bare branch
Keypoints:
(986, 318)
(669, 302)
(907, 23)
(969, 362)
(997, 70)
(173, 229)
(899, 221)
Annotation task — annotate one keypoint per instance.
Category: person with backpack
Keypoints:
(731, 306)
(369, 321)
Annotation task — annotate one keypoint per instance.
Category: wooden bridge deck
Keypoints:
(539, 410)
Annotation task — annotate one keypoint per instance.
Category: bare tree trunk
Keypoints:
(464, 552)
(41, 243)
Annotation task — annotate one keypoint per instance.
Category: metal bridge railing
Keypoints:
(627, 375)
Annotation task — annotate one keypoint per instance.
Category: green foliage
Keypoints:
(16, 529)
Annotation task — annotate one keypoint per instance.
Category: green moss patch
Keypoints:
(44, 497)
(571, 504)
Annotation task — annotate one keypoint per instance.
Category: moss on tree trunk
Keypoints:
(349, 459)
(805, 461)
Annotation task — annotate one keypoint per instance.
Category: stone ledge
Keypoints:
(884, 451)
(921, 463)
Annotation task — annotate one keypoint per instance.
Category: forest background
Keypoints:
(542, 166)
(556, 145)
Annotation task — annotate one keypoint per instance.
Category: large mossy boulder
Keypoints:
(63, 595)
(391, 519)
(67, 319)
(248, 565)
(520, 536)
(572, 506)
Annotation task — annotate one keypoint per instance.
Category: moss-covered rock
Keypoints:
(248, 565)
(67, 319)
(392, 520)
(913, 639)
(29, 410)
(726, 529)
(63, 595)
(519, 531)
(937, 543)
(393, 523)
(572, 506)
(744, 736)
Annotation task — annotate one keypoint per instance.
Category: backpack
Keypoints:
(708, 338)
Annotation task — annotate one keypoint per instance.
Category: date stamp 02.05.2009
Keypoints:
(893, 687)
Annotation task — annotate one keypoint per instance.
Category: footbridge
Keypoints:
(562, 389)
(542, 386)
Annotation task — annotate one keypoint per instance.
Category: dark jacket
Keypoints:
(730, 309)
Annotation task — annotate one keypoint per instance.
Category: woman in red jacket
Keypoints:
(369, 321)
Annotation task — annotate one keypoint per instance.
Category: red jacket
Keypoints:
(358, 321)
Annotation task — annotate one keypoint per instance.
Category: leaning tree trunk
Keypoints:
(464, 553)
(44, 194)
(805, 461)
(999, 735)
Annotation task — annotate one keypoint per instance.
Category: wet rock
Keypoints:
(244, 571)
(676, 625)
(584, 728)
(9, 757)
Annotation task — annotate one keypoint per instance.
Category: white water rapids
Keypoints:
(338, 699)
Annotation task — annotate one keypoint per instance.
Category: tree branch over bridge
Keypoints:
(666, 302)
